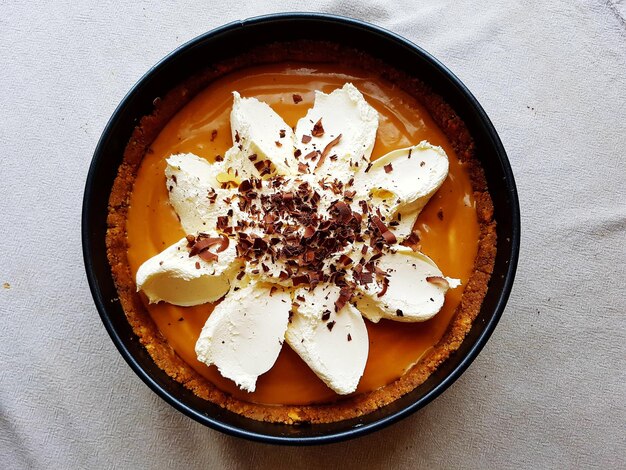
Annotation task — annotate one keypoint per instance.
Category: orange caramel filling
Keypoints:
(448, 226)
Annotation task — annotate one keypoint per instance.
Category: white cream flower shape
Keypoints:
(302, 236)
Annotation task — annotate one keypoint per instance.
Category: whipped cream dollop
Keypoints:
(303, 236)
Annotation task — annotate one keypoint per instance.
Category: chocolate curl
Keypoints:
(201, 246)
(318, 129)
(412, 241)
(387, 234)
(345, 294)
(327, 150)
(438, 281)
(344, 212)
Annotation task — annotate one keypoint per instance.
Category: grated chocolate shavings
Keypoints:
(263, 167)
(412, 241)
(345, 260)
(385, 233)
(383, 291)
(345, 294)
(344, 213)
(327, 149)
(208, 256)
(222, 222)
(202, 244)
(438, 281)
(318, 129)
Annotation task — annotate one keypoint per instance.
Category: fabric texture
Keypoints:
(548, 390)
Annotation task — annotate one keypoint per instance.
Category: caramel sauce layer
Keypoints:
(448, 226)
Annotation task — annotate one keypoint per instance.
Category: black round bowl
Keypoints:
(228, 41)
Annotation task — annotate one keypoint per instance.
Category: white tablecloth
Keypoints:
(549, 389)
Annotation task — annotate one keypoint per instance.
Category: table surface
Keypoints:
(548, 390)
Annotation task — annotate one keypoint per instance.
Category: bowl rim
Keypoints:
(367, 428)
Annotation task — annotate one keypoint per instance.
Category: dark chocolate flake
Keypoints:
(344, 212)
(387, 235)
(345, 294)
(438, 281)
(318, 129)
(327, 149)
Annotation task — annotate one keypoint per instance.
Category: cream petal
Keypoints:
(174, 277)
(415, 293)
(244, 334)
(257, 129)
(335, 348)
(414, 175)
(343, 112)
(190, 179)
